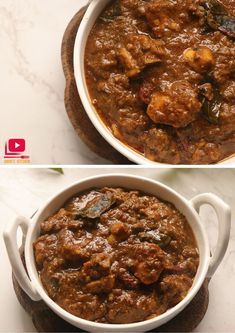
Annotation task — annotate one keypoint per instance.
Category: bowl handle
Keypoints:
(223, 213)
(10, 238)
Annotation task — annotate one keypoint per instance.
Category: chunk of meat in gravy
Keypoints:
(140, 52)
(97, 267)
(159, 16)
(128, 279)
(175, 288)
(151, 263)
(159, 142)
(200, 59)
(83, 306)
(120, 231)
(125, 306)
(59, 221)
(104, 285)
(131, 120)
(133, 261)
(178, 106)
(167, 17)
(45, 248)
(229, 92)
(72, 248)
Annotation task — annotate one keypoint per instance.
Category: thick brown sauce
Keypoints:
(116, 256)
(162, 81)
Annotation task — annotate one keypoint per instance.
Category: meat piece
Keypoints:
(116, 82)
(59, 221)
(132, 119)
(130, 6)
(175, 288)
(189, 266)
(148, 261)
(200, 59)
(178, 106)
(225, 62)
(129, 280)
(97, 267)
(157, 211)
(45, 248)
(130, 306)
(145, 92)
(104, 285)
(159, 145)
(206, 152)
(229, 92)
(87, 306)
(51, 276)
(72, 249)
(158, 14)
(139, 52)
(138, 227)
(130, 255)
(129, 63)
(148, 50)
(201, 129)
(120, 231)
(167, 17)
(149, 272)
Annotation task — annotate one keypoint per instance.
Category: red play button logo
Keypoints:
(16, 145)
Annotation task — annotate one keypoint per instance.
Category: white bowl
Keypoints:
(92, 13)
(32, 285)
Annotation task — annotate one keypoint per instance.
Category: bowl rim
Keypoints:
(166, 316)
(96, 6)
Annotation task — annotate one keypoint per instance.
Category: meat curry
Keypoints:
(160, 74)
(116, 256)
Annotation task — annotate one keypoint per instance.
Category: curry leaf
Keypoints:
(59, 170)
(218, 18)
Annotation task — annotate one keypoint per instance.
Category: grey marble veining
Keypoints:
(32, 81)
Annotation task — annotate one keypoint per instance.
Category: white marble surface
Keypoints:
(32, 81)
(23, 191)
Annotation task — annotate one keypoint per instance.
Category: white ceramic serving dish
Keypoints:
(190, 208)
(93, 11)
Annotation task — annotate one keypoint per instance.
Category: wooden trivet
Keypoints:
(75, 110)
(45, 320)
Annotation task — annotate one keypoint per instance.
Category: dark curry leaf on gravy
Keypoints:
(211, 102)
(218, 18)
(93, 205)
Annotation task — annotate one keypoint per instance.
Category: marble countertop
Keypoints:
(23, 191)
(32, 81)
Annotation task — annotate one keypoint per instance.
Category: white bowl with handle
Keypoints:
(208, 263)
(93, 11)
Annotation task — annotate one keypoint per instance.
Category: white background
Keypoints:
(32, 81)
(24, 191)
